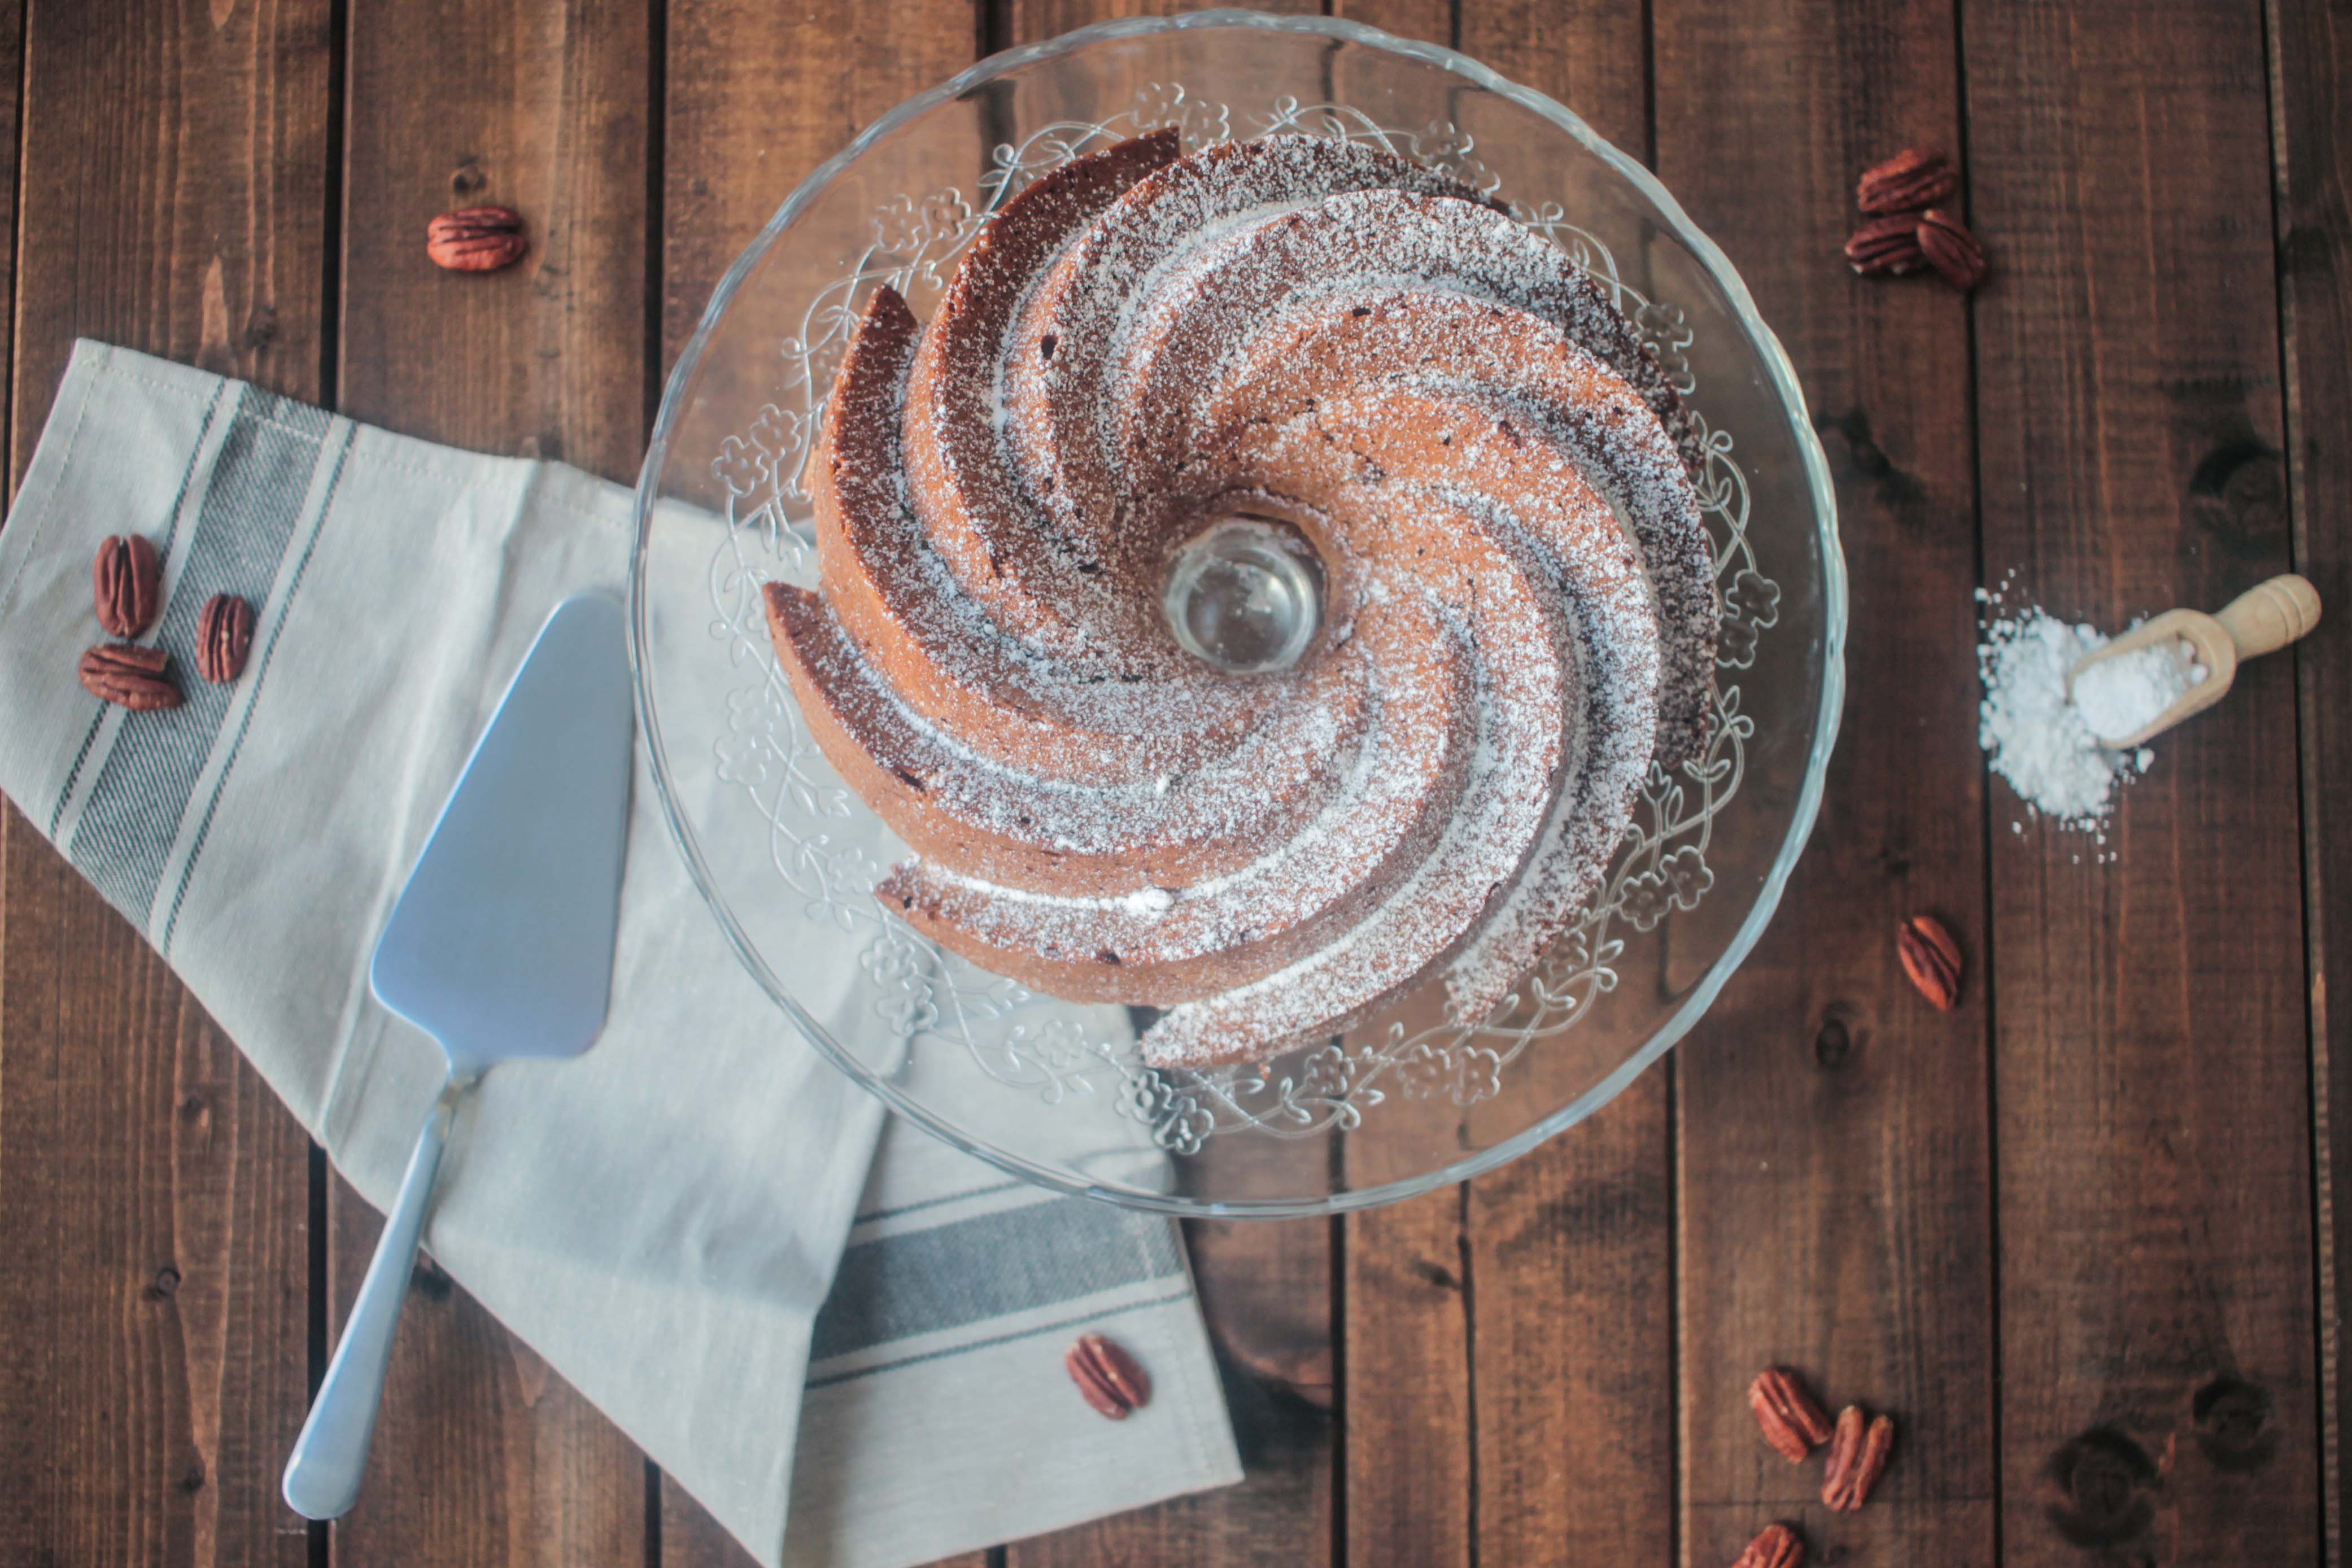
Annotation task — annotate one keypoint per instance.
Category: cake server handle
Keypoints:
(322, 1477)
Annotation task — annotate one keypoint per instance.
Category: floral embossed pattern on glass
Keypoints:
(787, 856)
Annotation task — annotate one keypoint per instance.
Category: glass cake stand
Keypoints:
(786, 856)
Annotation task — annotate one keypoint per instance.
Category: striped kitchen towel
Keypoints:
(664, 1218)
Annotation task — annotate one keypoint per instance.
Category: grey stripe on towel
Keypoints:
(924, 1281)
(243, 525)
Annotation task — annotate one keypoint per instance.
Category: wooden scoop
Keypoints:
(2266, 617)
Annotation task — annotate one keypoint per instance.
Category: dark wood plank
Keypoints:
(756, 99)
(543, 108)
(1571, 1274)
(1410, 1390)
(12, 63)
(153, 1195)
(1836, 1206)
(1587, 54)
(1510, 1344)
(2310, 72)
(1029, 21)
(2151, 1074)
(484, 1456)
(1431, 21)
(153, 1373)
(174, 190)
(690, 1536)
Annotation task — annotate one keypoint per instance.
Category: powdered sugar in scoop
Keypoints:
(2043, 744)
(2117, 697)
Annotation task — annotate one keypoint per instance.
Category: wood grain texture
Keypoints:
(2128, 1062)
(755, 98)
(483, 1455)
(1572, 1279)
(758, 98)
(1587, 54)
(1413, 1384)
(689, 1536)
(1835, 1182)
(153, 1200)
(174, 190)
(12, 83)
(1029, 21)
(2311, 71)
(153, 1195)
(542, 106)
(2159, 1398)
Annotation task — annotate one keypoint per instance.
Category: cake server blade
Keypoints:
(499, 948)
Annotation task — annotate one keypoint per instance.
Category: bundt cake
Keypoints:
(1420, 400)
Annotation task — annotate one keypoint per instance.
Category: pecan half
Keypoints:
(1857, 1458)
(1108, 1376)
(1885, 246)
(1931, 958)
(1914, 178)
(475, 239)
(1952, 250)
(127, 584)
(1778, 1546)
(1791, 1417)
(224, 636)
(129, 677)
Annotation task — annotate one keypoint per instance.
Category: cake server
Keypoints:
(2263, 620)
(500, 948)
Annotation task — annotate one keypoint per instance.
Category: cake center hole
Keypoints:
(1245, 596)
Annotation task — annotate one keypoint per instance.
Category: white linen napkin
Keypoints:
(663, 1218)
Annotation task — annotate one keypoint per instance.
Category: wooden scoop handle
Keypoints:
(2270, 615)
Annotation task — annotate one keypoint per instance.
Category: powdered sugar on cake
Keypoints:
(1518, 613)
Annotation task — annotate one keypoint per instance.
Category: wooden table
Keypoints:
(2080, 1236)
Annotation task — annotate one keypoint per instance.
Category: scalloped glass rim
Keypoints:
(1784, 382)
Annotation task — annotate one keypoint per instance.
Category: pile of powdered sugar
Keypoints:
(2117, 697)
(2046, 746)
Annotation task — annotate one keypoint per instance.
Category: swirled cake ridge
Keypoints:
(1490, 476)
